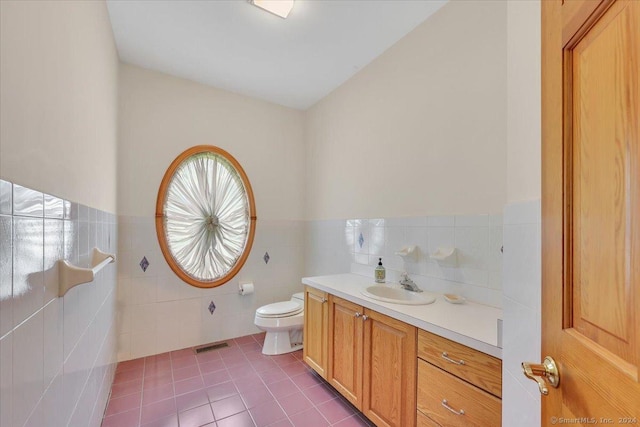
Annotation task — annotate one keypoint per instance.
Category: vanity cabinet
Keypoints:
(315, 333)
(396, 374)
(372, 362)
(457, 386)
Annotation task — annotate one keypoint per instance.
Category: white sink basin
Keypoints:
(397, 295)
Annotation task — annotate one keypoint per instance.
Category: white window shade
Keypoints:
(206, 219)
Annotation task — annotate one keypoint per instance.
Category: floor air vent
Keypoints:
(210, 347)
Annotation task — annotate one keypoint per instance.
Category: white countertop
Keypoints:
(471, 324)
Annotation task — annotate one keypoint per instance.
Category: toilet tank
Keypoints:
(298, 297)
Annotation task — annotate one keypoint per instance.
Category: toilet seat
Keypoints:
(279, 309)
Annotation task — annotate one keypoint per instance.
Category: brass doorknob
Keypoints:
(545, 373)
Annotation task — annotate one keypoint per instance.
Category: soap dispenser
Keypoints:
(380, 272)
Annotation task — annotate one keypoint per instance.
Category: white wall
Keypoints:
(57, 353)
(523, 98)
(416, 138)
(58, 86)
(476, 272)
(161, 116)
(58, 109)
(420, 130)
(522, 221)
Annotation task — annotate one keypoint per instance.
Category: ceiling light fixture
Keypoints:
(277, 7)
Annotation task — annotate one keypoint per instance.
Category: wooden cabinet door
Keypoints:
(389, 376)
(316, 319)
(345, 348)
(591, 208)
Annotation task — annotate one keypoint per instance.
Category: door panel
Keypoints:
(603, 118)
(345, 348)
(389, 379)
(591, 207)
(315, 330)
(575, 14)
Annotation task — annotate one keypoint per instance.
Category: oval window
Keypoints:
(205, 216)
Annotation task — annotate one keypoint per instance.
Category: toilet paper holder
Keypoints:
(245, 288)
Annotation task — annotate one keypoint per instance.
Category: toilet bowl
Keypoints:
(283, 322)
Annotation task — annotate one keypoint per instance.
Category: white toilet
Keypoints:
(283, 322)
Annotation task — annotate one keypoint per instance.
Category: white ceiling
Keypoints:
(233, 45)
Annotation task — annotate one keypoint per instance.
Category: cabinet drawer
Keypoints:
(437, 388)
(423, 421)
(471, 365)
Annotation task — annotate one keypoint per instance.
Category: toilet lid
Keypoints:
(278, 309)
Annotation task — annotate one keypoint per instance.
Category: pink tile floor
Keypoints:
(236, 386)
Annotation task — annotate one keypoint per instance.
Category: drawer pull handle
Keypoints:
(358, 314)
(323, 300)
(446, 405)
(365, 317)
(446, 357)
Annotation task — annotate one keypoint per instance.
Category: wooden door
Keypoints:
(389, 375)
(345, 348)
(591, 209)
(316, 319)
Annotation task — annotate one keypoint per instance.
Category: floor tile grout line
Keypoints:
(144, 370)
(278, 402)
(298, 389)
(173, 387)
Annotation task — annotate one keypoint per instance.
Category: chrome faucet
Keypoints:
(408, 284)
